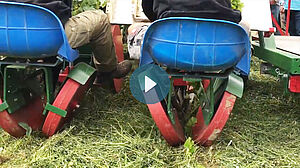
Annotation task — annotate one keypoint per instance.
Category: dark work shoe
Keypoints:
(102, 78)
(123, 68)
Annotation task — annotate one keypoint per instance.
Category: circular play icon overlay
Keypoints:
(149, 84)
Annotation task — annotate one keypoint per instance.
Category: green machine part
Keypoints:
(23, 83)
(280, 63)
(208, 98)
(266, 50)
(233, 84)
(81, 73)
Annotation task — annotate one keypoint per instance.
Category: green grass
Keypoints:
(117, 131)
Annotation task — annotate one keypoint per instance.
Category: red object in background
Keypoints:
(205, 83)
(179, 82)
(117, 39)
(277, 26)
(294, 84)
(286, 33)
(288, 19)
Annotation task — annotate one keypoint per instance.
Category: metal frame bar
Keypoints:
(266, 50)
(48, 84)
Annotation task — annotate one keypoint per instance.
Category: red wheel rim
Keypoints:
(117, 39)
(173, 133)
(205, 134)
(31, 114)
(67, 99)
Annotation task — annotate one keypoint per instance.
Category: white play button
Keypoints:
(149, 84)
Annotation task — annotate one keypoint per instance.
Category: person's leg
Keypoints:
(292, 29)
(93, 27)
(282, 21)
(275, 13)
(297, 23)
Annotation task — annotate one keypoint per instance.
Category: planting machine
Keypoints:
(206, 60)
(42, 78)
(210, 59)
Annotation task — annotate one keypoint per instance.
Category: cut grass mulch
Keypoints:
(117, 131)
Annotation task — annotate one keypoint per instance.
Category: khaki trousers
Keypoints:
(93, 27)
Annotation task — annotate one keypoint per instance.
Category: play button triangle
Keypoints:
(149, 84)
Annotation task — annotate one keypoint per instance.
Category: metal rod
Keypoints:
(212, 96)
(288, 19)
(261, 39)
(169, 108)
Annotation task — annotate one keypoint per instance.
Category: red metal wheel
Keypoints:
(31, 114)
(173, 133)
(67, 99)
(205, 134)
(117, 39)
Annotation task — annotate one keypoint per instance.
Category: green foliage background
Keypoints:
(83, 5)
(237, 4)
